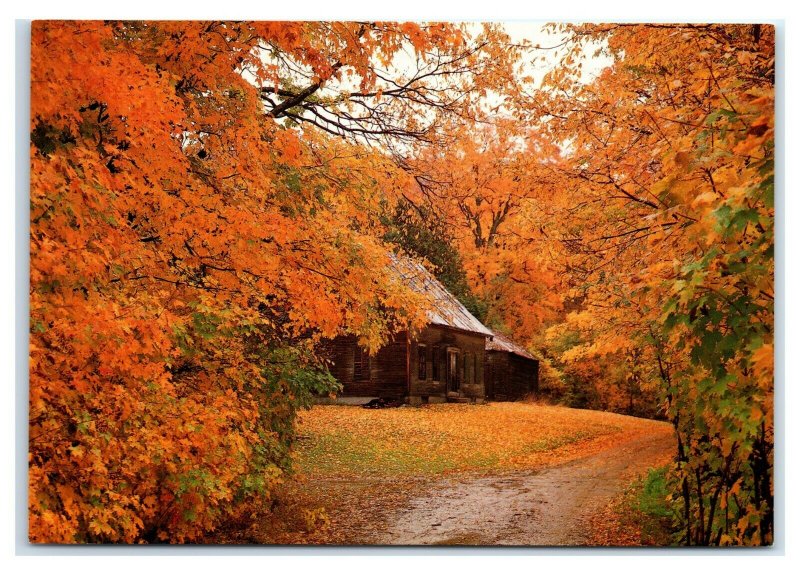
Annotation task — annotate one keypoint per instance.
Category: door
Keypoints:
(453, 383)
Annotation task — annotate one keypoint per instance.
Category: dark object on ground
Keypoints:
(382, 402)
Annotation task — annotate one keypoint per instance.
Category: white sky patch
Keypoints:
(550, 47)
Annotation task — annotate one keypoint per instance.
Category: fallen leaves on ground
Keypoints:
(625, 522)
(357, 466)
(347, 441)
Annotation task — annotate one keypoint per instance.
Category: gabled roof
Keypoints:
(502, 343)
(447, 310)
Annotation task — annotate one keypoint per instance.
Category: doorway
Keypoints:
(453, 382)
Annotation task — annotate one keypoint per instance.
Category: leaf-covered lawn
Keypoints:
(358, 466)
(342, 441)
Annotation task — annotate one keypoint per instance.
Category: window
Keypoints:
(435, 363)
(422, 359)
(360, 364)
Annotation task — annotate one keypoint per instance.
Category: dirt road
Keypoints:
(545, 508)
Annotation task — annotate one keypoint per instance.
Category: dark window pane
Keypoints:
(435, 362)
(360, 364)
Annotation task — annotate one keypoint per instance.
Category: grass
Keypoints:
(654, 516)
(639, 517)
(345, 441)
(330, 453)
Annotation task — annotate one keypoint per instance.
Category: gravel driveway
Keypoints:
(545, 508)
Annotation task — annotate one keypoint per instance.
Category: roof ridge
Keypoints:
(502, 342)
(448, 310)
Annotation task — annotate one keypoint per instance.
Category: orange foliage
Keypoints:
(492, 185)
(666, 230)
(187, 251)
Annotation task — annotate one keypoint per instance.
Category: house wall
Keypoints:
(382, 375)
(388, 375)
(434, 342)
(509, 376)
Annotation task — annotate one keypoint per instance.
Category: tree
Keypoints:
(417, 232)
(394, 84)
(491, 188)
(667, 234)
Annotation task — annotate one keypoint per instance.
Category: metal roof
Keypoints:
(502, 343)
(447, 310)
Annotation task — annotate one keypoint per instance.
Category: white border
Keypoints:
(14, 256)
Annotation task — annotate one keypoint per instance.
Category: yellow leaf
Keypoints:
(704, 199)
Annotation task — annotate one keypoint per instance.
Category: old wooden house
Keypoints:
(443, 362)
(511, 371)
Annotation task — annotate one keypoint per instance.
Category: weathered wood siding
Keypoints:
(509, 376)
(380, 375)
(435, 342)
(413, 372)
